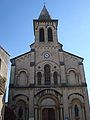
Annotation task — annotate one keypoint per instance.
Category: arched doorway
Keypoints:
(48, 109)
(47, 105)
(48, 114)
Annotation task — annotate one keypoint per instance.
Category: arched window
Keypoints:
(55, 78)
(47, 74)
(41, 35)
(22, 78)
(50, 35)
(72, 77)
(39, 77)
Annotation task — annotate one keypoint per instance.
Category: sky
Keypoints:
(16, 26)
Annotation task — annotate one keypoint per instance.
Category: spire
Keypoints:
(44, 15)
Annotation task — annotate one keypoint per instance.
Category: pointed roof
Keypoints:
(44, 15)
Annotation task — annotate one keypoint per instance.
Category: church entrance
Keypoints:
(48, 114)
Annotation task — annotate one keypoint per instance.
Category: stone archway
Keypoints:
(47, 105)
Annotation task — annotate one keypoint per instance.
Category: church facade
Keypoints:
(48, 83)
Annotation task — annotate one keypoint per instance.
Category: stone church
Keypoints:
(48, 83)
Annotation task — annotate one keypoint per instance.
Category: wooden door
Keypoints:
(48, 114)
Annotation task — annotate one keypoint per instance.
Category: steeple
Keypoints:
(45, 29)
(44, 15)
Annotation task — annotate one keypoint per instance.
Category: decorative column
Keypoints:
(52, 80)
(39, 112)
(70, 112)
(61, 113)
(27, 111)
(36, 113)
(57, 114)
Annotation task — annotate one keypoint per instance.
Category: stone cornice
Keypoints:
(49, 86)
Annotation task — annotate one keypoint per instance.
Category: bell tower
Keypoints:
(45, 29)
